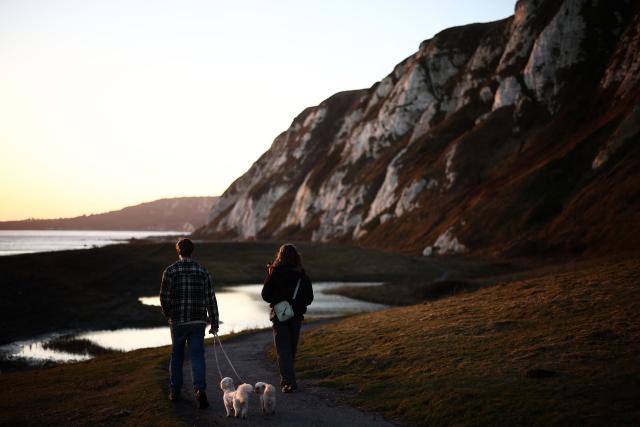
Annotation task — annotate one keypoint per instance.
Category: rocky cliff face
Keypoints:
(509, 137)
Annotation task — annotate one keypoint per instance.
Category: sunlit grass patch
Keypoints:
(557, 349)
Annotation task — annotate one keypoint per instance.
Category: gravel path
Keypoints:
(310, 405)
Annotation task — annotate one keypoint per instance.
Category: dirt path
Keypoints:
(309, 406)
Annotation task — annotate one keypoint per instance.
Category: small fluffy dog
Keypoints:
(229, 391)
(241, 400)
(267, 394)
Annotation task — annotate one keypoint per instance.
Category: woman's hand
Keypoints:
(269, 269)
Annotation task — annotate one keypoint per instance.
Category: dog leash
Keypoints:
(216, 337)
(215, 354)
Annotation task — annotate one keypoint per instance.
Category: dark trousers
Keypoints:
(285, 338)
(193, 336)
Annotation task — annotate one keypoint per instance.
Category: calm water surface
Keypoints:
(13, 242)
(241, 308)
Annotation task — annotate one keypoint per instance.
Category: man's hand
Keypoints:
(213, 330)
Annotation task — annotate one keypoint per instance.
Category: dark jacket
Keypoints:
(280, 285)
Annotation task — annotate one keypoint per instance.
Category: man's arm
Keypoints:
(212, 304)
(165, 294)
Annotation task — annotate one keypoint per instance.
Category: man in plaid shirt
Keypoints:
(186, 295)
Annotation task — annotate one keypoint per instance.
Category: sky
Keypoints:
(110, 103)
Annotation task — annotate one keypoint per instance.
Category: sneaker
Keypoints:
(174, 396)
(201, 397)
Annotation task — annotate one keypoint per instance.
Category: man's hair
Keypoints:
(184, 247)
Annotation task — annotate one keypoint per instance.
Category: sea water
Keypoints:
(13, 242)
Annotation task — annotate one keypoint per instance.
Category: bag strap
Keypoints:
(297, 286)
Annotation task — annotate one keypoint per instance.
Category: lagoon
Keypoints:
(240, 307)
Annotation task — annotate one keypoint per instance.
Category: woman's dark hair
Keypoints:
(287, 256)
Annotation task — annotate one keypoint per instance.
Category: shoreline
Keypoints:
(74, 345)
(87, 289)
(56, 240)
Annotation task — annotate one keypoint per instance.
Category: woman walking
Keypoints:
(287, 281)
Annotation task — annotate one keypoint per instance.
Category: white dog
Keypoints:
(229, 391)
(241, 400)
(267, 394)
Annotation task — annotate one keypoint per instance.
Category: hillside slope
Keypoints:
(175, 214)
(511, 137)
(558, 349)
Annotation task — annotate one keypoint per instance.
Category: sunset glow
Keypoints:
(109, 104)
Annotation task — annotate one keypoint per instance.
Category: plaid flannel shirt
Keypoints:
(186, 293)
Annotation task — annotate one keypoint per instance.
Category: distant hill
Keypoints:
(179, 214)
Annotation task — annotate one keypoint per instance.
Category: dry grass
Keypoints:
(123, 389)
(406, 293)
(470, 359)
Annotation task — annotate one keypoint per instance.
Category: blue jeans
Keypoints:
(193, 335)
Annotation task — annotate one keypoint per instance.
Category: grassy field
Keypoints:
(99, 288)
(557, 349)
(124, 389)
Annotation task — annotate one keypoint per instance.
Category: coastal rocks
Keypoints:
(386, 196)
(407, 201)
(556, 49)
(486, 94)
(441, 65)
(302, 207)
(397, 114)
(249, 215)
(445, 244)
(508, 93)
(522, 35)
(341, 218)
(449, 173)
(424, 122)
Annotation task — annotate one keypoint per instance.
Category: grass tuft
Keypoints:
(73, 345)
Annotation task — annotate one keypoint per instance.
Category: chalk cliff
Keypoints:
(511, 137)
